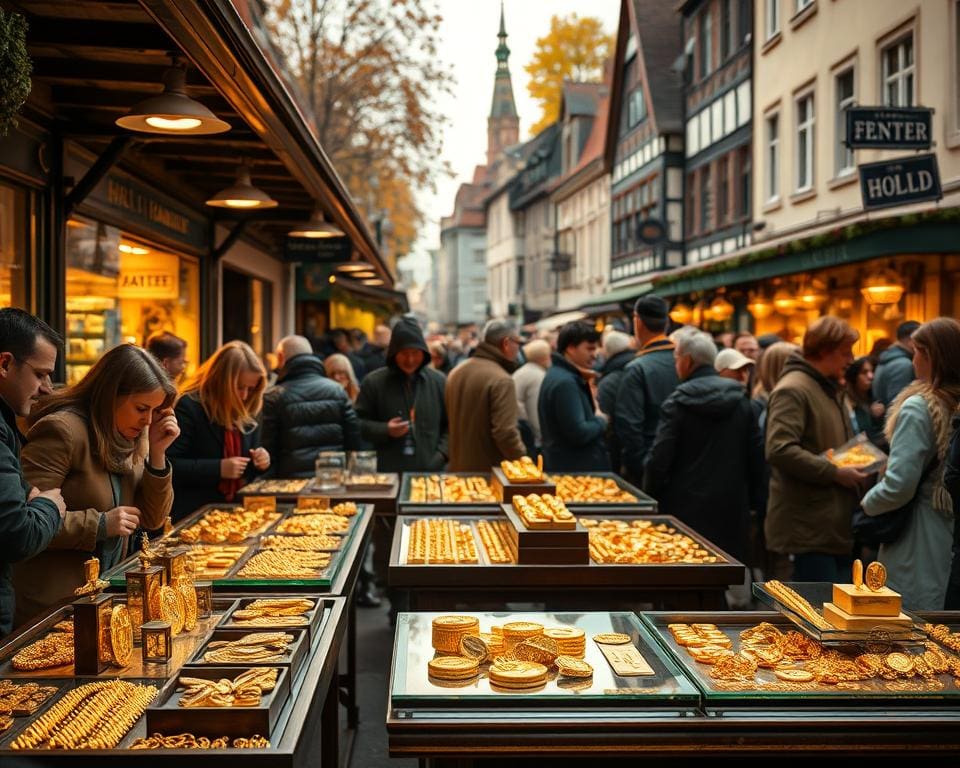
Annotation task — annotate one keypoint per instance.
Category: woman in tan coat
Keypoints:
(104, 442)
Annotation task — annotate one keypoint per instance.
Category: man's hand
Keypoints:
(397, 427)
(34, 492)
(850, 477)
(54, 495)
(234, 467)
(122, 521)
(260, 458)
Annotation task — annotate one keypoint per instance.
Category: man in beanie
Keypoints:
(647, 382)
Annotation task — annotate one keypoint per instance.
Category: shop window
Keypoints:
(13, 247)
(122, 291)
(745, 182)
(727, 44)
(846, 97)
(898, 73)
(248, 312)
(706, 199)
(771, 19)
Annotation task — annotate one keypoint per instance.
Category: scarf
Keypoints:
(940, 405)
(231, 448)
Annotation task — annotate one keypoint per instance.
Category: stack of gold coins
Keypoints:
(571, 641)
(517, 674)
(447, 632)
(453, 668)
(540, 649)
(515, 632)
(494, 643)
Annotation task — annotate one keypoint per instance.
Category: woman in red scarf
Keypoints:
(219, 449)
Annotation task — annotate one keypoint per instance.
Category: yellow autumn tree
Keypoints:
(574, 49)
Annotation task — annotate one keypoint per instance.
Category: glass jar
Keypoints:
(363, 462)
(330, 467)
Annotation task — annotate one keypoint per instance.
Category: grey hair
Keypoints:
(291, 346)
(496, 331)
(699, 346)
(615, 343)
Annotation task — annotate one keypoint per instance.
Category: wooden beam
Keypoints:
(110, 34)
(95, 173)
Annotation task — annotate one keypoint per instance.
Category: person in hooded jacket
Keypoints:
(401, 406)
(618, 352)
(706, 463)
(573, 427)
(895, 367)
(305, 412)
(811, 502)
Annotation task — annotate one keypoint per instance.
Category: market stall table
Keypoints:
(303, 707)
(680, 715)
(484, 583)
(338, 579)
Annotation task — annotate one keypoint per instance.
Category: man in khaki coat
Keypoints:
(482, 403)
(812, 500)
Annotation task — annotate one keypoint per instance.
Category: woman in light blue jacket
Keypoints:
(918, 428)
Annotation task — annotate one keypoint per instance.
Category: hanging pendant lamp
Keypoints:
(242, 195)
(173, 112)
(317, 228)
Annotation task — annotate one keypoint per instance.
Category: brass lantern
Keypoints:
(883, 287)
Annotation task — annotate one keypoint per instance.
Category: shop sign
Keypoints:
(153, 276)
(889, 127)
(317, 250)
(900, 182)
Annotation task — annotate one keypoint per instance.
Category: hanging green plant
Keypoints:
(15, 68)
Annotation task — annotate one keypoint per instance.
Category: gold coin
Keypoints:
(517, 674)
(900, 662)
(188, 596)
(170, 609)
(121, 635)
(522, 628)
(710, 654)
(453, 667)
(455, 622)
(474, 647)
(611, 638)
(542, 650)
(794, 675)
(876, 576)
(564, 633)
(858, 573)
(571, 667)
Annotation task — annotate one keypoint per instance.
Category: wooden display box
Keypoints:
(294, 658)
(165, 715)
(843, 620)
(865, 602)
(313, 616)
(547, 547)
(505, 490)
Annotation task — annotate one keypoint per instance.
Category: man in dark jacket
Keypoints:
(895, 368)
(618, 354)
(706, 463)
(305, 412)
(28, 519)
(340, 341)
(373, 355)
(572, 425)
(647, 383)
(401, 406)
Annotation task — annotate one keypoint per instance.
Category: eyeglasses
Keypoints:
(44, 377)
(515, 340)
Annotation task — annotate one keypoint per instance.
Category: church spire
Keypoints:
(503, 124)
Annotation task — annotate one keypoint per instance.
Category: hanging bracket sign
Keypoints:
(889, 127)
(900, 182)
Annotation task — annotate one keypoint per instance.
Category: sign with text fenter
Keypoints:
(900, 182)
(889, 127)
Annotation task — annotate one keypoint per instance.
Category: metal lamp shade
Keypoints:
(173, 112)
(316, 228)
(242, 195)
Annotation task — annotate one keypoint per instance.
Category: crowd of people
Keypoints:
(731, 435)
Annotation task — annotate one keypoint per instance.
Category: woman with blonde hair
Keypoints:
(918, 429)
(340, 369)
(105, 441)
(219, 446)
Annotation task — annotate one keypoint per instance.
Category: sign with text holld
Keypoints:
(889, 127)
(899, 182)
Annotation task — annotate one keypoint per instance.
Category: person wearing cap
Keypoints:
(647, 382)
(706, 463)
(734, 365)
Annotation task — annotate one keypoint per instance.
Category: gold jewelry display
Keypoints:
(92, 716)
(228, 526)
(276, 486)
(436, 541)
(189, 741)
(170, 610)
(257, 647)
(496, 541)
(539, 510)
(590, 489)
(188, 602)
(213, 562)
(121, 636)
(305, 543)
(523, 470)
(273, 609)
(314, 524)
(285, 564)
(54, 650)
(451, 489)
(93, 585)
(20, 699)
(798, 604)
(245, 690)
(640, 542)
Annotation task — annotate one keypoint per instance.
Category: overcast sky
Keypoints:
(468, 42)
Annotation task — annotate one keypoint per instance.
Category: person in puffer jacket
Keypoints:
(305, 412)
